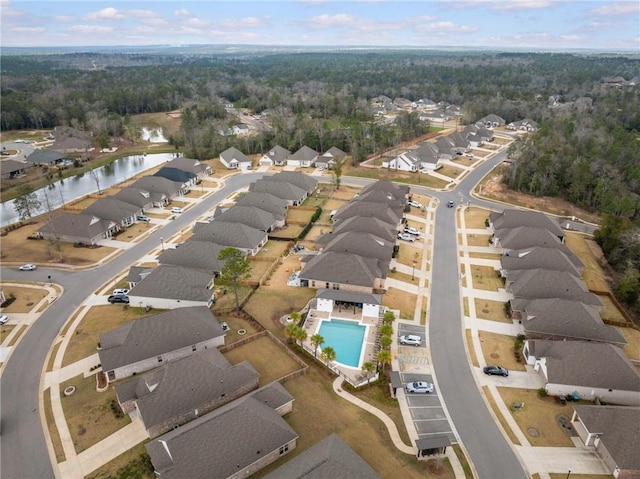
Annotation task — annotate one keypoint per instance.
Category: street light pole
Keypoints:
(569, 473)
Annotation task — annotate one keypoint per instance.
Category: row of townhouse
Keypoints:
(355, 256)
(429, 109)
(109, 215)
(305, 157)
(186, 274)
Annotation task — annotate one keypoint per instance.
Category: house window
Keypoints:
(111, 375)
(326, 285)
(284, 448)
(336, 286)
(313, 284)
(159, 359)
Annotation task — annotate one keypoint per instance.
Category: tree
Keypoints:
(336, 172)
(384, 358)
(291, 330)
(235, 270)
(94, 174)
(385, 330)
(300, 334)
(295, 316)
(26, 203)
(385, 342)
(317, 341)
(368, 369)
(388, 317)
(328, 355)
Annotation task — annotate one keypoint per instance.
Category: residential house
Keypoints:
(294, 195)
(551, 259)
(194, 254)
(250, 216)
(191, 166)
(428, 156)
(368, 209)
(147, 342)
(407, 161)
(329, 458)
(524, 237)
(169, 286)
(562, 319)
(371, 225)
(328, 159)
(424, 104)
(135, 196)
(512, 218)
(70, 140)
(305, 157)
(476, 136)
(233, 441)
(362, 244)
(137, 274)
(10, 169)
(182, 390)
(296, 178)
(523, 125)
(434, 116)
(404, 104)
(613, 431)
(343, 271)
(78, 228)
(187, 178)
(400, 192)
(233, 159)
(544, 284)
(161, 190)
(235, 235)
(45, 157)
(591, 370)
(268, 202)
(276, 156)
(379, 196)
(113, 209)
(491, 121)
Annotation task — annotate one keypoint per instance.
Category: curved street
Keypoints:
(20, 384)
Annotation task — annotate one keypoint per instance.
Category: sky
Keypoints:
(532, 24)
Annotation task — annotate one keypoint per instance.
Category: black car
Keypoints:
(450, 204)
(495, 371)
(118, 298)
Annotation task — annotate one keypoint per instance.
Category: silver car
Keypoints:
(419, 387)
(411, 339)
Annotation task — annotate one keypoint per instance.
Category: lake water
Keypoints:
(78, 186)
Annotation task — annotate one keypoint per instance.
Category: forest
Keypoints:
(587, 148)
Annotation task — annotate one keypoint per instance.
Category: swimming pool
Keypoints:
(346, 338)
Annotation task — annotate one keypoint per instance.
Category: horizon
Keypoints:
(520, 25)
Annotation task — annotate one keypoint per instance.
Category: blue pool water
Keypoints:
(346, 338)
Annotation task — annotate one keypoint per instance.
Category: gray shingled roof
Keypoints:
(398, 191)
(539, 284)
(188, 164)
(587, 364)
(273, 395)
(378, 196)
(569, 319)
(278, 154)
(330, 458)
(343, 268)
(137, 272)
(135, 196)
(175, 282)
(112, 209)
(280, 189)
(235, 235)
(194, 254)
(304, 154)
(299, 179)
(364, 209)
(175, 174)
(335, 152)
(512, 218)
(81, 225)
(265, 201)
(618, 428)
(11, 166)
(186, 384)
(369, 224)
(524, 237)
(45, 157)
(233, 153)
(155, 335)
(539, 258)
(158, 185)
(361, 244)
(348, 296)
(220, 443)
(248, 215)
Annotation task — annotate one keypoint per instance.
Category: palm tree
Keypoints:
(368, 368)
(385, 342)
(290, 331)
(384, 358)
(328, 355)
(317, 341)
(385, 330)
(295, 316)
(388, 317)
(300, 334)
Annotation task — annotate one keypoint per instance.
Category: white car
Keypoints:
(177, 209)
(415, 204)
(419, 387)
(411, 231)
(411, 339)
(27, 267)
(120, 292)
(4, 318)
(406, 237)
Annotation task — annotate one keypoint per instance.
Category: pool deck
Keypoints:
(312, 326)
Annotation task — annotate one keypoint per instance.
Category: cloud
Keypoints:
(109, 13)
(539, 39)
(90, 29)
(246, 22)
(64, 19)
(445, 27)
(27, 29)
(502, 5)
(618, 8)
(183, 12)
(337, 20)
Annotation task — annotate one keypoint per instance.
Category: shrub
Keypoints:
(542, 392)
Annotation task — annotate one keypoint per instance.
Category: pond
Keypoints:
(69, 189)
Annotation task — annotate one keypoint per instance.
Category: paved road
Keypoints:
(23, 451)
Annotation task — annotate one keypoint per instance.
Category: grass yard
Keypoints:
(580, 476)
(345, 193)
(496, 411)
(450, 171)
(485, 278)
(18, 249)
(478, 240)
(51, 426)
(269, 304)
(471, 348)
(492, 310)
(26, 298)
(5, 330)
(494, 256)
(397, 176)
(98, 320)
(314, 233)
(464, 160)
(403, 276)
(537, 419)
(408, 254)
(273, 249)
(133, 464)
(588, 251)
(259, 268)
(289, 232)
(498, 349)
(227, 301)
(235, 324)
(88, 412)
(400, 300)
(610, 310)
(295, 214)
(266, 357)
(475, 217)
(632, 348)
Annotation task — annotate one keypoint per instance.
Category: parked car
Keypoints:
(406, 237)
(495, 371)
(419, 387)
(4, 318)
(177, 209)
(415, 204)
(144, 218)
(118, 298)
(411, 231)
(450, 204)
(120, 292)
(27, 267)
(411, 339)
(469, 155)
